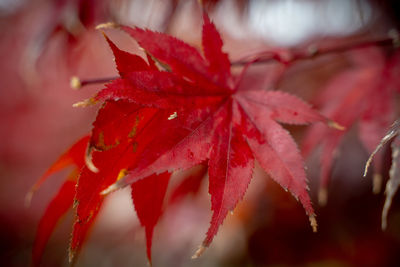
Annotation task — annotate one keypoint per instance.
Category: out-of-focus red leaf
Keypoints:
(63, 199)
(73, 156)
(190, 184)
(57, 207)
(148, 198)
(363, 94)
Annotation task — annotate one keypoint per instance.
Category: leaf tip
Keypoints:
(110, 189)
(376, 183)
(313, 223)
(384, 225)
(71, 256)
(28, 197)
(199, 252)
(85, 103)
(107, 25)
(394, 35)
(322, 196)
(367, 164)
(335, 125)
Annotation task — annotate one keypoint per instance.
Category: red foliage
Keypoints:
(196, 112)
(363, 95)
(63, 200)
(184, 110)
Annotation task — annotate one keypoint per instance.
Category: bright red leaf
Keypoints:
(57, 207)
(224, 125)
(73, 156)
(63, 200)
(191, 113)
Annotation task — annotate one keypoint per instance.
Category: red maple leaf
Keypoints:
(211, 119)
(193, 112)
(363, 94)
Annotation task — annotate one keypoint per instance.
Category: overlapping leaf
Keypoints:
(363, 94)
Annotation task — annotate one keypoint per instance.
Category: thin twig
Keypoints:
(313, 51)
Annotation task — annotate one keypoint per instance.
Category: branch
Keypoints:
(286, 57)
(289, 57)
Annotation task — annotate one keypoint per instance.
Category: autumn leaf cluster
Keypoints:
(179, 109)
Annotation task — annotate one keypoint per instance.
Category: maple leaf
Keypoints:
(211, 120)
(393, 183)
(110, 155)
(365, 93)
(195, 113)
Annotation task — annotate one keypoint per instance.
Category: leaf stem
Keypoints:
(76, 83)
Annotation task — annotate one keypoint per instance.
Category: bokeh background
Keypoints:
(43, 43)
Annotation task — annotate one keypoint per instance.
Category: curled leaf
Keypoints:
(394, 180)
(393, 183)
